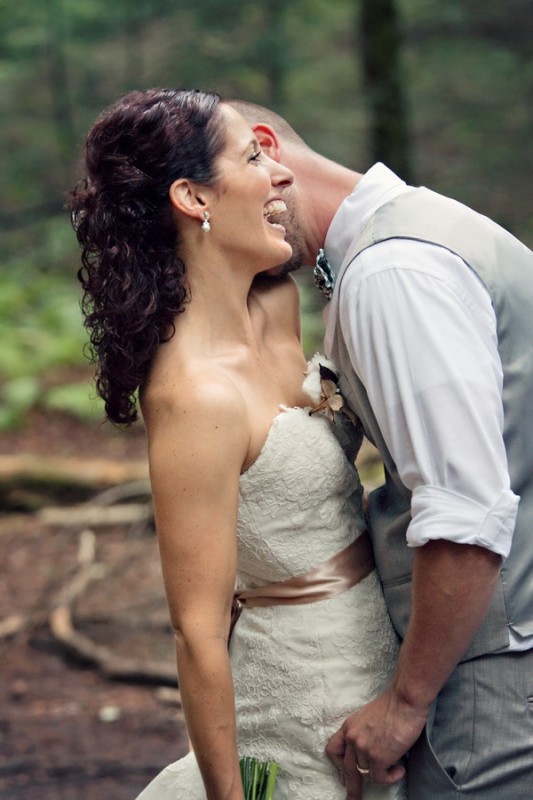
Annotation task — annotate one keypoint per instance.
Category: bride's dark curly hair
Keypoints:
(133, 280)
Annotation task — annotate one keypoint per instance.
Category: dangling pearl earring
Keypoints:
(206, 227)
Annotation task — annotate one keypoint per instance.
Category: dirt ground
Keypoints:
(68, 732)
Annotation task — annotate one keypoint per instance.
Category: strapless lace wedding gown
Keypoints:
(299, 670)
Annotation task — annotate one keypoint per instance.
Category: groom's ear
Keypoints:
(268, 140)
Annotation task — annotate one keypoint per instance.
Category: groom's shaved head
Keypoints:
(255, 114)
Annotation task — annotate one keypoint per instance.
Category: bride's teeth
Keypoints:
(275, 207)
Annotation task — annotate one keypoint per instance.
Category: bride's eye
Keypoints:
(255, 157)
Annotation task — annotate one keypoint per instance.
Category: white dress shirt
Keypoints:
(421, 333)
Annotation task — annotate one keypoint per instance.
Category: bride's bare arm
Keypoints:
(197, 445)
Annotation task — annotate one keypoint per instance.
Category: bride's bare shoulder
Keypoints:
(197, 425)
(189, 395)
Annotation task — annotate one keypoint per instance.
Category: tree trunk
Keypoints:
(58, 81)
(275, 53)
(380, 55)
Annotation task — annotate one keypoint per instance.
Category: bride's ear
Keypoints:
(188, 198)
(268, 140)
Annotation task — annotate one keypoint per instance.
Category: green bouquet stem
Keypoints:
(258, 778)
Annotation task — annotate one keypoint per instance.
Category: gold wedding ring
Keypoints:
(362, 770)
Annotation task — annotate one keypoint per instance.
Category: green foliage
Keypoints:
(312, 305)
(74, 398)
(40, 325)
(40, 333)
(17, 397)
(469, 83)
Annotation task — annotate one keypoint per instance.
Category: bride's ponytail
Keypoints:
(133, 281)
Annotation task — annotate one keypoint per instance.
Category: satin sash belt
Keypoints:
(336, 575)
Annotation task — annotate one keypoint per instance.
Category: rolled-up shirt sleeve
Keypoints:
(421, 334)
(435, 509)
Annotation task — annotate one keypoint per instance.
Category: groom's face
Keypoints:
(291, 222)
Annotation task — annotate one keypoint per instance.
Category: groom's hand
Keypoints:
(350, 778)
(375, 738)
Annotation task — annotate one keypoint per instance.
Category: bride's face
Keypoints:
(249, 195)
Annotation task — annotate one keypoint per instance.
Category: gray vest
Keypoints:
(505, 267)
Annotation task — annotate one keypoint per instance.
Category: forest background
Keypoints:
(442, 92)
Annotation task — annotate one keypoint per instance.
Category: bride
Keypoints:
(177, 219)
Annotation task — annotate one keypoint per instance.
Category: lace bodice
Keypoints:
(300, 670)
(300, 502)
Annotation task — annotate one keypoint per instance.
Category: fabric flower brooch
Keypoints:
(321, 384)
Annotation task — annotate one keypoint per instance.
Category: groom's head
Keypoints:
(281, 142)
(320, 184)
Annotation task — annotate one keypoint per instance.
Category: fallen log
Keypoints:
(108, 663)
(28, 482)
(85, 472)
(96, 516)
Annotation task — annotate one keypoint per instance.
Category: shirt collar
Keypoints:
(378, 186)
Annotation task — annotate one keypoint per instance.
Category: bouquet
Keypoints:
(258, 778)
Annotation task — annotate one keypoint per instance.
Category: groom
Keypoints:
(431, 323)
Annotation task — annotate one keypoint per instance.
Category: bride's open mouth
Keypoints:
(273, 208)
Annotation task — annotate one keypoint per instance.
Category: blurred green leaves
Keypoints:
(41, 335)
(468, 72)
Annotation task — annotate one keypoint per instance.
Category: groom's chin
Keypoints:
(295, 262)
(284, 269)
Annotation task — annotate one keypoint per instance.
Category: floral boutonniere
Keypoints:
(322, 385)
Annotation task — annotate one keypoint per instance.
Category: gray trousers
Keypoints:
(478, 743)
